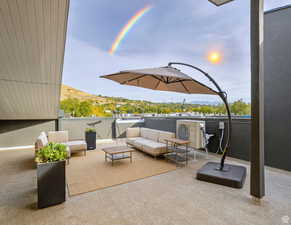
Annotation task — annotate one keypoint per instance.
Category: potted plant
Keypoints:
(51, 174)
(90, 134)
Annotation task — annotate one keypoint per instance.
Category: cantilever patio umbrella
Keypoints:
(168, 78)
(162, 79)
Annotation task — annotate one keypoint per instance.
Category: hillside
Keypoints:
(69, 92)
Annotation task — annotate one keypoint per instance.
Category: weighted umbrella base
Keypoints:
(231, 176)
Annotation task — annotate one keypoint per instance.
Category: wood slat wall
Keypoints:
(32, 43)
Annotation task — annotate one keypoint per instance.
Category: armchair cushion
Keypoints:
(75, 146)
(58, 136)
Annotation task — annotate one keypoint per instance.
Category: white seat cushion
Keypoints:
(132, 140)
(76, 145)
(152, 147)
(150, 143)
(137, 142)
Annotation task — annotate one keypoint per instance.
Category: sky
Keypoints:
(181, 31)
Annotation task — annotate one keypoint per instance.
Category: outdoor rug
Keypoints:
(91, 172)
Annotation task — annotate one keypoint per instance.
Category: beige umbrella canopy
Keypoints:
(171, 79)
(162, 79)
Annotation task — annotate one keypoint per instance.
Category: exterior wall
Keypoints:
(15, 133)
(107, 129)
(277, 87)
(77, 126)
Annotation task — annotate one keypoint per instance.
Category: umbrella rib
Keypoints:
(185, 87)
(177, 81)
(158, 78)
(157, 84)
(136, 78)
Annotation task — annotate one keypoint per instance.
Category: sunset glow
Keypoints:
(214, 57)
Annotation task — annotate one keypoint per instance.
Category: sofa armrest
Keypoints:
(132, 132)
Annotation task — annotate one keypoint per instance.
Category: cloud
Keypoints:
(171, 31)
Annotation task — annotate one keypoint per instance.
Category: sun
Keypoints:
(214, 57)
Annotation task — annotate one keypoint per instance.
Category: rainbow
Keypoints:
(127, 27)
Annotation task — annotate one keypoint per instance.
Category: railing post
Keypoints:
(57, 125)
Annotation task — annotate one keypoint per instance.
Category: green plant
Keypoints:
(52, 152)
(89, 130)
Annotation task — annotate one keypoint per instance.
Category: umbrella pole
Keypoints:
(218, 173)
(229, 130)
(223, 96)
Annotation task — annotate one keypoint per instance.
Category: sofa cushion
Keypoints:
(138, 143)
(150, 143)
(132, 132)
(132, 140)
(150, 134)
(165, 134)
(152, 147)
(58, 136)
(143, 130)
(76, 145)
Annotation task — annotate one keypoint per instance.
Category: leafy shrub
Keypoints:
(89, 130)
(52, 152)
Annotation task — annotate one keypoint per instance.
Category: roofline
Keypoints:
(278, 9)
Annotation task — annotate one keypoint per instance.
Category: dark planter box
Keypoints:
(51, 183)
(90, 140)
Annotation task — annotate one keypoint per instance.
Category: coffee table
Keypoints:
(118, 153)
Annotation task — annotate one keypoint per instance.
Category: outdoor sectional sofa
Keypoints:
(148, 140)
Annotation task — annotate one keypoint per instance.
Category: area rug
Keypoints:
(91, 172)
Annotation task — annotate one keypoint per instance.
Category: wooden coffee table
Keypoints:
(118, 153)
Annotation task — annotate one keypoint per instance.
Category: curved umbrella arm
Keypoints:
(223, 96)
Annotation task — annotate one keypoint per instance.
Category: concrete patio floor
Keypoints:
(173, 198)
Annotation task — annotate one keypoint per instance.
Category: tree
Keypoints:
(79, 108)
(71, 105)
(240, 108)
(85, 108)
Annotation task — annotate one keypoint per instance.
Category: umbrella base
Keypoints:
(231, 176)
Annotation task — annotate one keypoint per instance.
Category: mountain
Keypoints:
(205, 102)
(69, 92)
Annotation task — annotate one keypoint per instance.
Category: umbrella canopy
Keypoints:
(165, 78)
